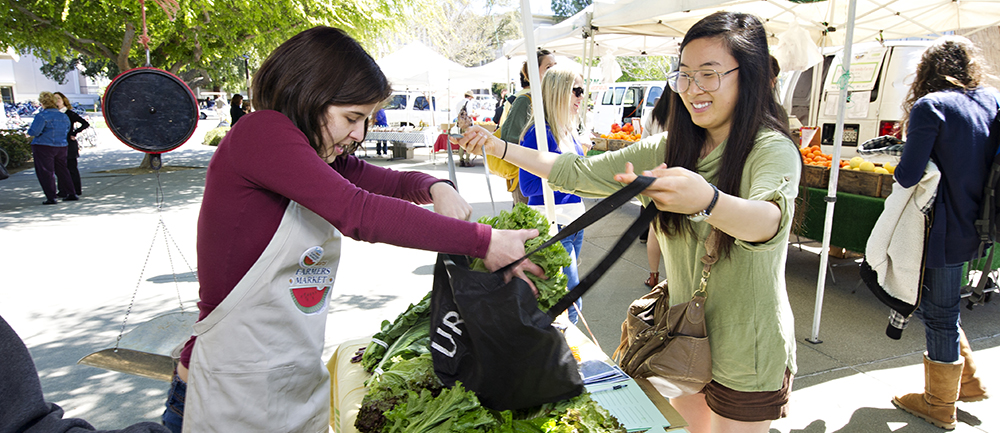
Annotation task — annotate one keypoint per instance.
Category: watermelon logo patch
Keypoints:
(310, 286)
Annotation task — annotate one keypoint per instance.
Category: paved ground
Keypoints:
(69, 272)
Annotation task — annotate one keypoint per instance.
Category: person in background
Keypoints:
(236, 110)
(49, 130)
(72, 148)
(463, 122)
(562, 95)
(515, 119)
(22, 404)
(280, 192)
(655, 124)
(464, 103)
(948, 115)
(381, 146)
(498, 109)
(725, 129)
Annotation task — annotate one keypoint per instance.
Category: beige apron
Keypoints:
(256, 365)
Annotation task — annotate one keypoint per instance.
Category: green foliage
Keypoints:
(456, 29)
(386, 390)
(17, 146)
(567, 8)
(213, 137)
(204, 43)
(551, 259)
(644, 68)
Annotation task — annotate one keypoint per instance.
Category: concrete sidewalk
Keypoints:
(70, 270)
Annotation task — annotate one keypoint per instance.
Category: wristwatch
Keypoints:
(703, 215)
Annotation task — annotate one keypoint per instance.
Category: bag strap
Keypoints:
(711, 256)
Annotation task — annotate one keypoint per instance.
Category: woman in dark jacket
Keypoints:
(948, 116)
(236, 109)
(73, 147)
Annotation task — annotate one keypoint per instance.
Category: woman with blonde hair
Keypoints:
(562, 95)
(948, 116)
(49, 130)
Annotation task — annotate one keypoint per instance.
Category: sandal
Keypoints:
(654, 279)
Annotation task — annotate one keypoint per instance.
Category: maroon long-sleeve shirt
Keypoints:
(265, 161)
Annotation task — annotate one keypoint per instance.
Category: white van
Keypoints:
(881, 75)
(414, 109)
(620, 102)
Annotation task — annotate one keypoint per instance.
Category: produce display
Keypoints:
(814, 156)
(626, 132)
(405, 395)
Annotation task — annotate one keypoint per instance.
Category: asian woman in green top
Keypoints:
(728, 164)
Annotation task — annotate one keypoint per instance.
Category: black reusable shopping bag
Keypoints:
(492, 337)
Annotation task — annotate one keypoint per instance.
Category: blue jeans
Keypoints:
(173, 416)
(940, 304)
(573, 243)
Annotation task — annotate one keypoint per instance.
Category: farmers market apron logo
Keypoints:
(451, 321)
(310, 286)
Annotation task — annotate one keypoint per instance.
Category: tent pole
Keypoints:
(831, 192)
(588, 59)
(536, 107)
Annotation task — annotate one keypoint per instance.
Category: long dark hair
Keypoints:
(314, 69)
(743, 35)
(952, 62)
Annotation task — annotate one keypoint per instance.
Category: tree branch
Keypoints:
(122, 58)
(75, 42)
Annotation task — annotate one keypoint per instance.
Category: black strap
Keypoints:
(595, 213)
(640, 225)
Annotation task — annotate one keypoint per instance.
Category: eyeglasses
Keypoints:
(578, 91)
(708, 80)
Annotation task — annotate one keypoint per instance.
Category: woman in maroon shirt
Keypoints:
(280, 190)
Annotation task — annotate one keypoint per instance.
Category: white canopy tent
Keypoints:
(828, 22)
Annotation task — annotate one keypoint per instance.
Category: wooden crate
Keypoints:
(600, 143)
(815, 176)
(860, 182)
(885, 187)
(618, 144)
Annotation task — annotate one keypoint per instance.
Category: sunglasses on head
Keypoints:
(578, 91)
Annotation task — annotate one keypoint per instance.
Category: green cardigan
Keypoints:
(750, 323)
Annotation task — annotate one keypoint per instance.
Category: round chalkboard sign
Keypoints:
(150, 110)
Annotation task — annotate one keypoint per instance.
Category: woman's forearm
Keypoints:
(533, 161)
(748, 220)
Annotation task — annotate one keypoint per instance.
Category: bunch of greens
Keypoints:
(551, 259)
(391, 331)
(409, 398)
(388, 389)
(453, 410)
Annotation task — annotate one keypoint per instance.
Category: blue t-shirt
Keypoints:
(531, 185)
(380, 119)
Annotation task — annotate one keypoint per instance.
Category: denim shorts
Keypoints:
(173, 416)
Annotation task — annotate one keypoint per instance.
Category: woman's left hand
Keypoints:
(449, 203)
(676, 189)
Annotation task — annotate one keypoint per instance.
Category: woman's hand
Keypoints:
(676, 189)
(476, 137)
(507, 246)
(448, 202)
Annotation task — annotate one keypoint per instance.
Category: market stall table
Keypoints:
(347, 384)
(403, 142)
(440, 145)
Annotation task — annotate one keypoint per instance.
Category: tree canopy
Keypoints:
(205, 43)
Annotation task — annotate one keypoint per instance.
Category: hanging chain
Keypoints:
(136, 291)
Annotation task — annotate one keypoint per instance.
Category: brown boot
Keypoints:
(937, 404)
(972, 389)
(654, 279)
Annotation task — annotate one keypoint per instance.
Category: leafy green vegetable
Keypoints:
(391, 331)
(551, 259)
(414, 342)
(454, 410)
(390, 387)
(580, 414)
